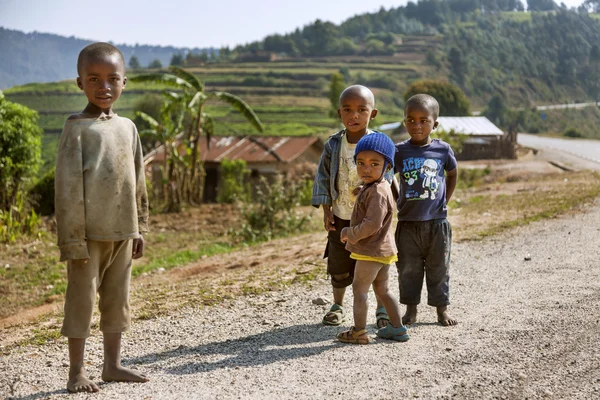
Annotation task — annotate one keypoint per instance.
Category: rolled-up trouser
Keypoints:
(424, 251)
(108, 273)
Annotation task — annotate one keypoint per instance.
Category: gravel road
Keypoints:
(529, 327)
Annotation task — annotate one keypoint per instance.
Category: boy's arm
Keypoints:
(396, 170)
(395, 189)
(321, 193)
(376, 210)
(451, 178)
(141, 199)
(451, 168)
(69, 197)
(141, 193)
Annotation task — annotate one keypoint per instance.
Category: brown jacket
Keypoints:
(370, 232)
(100, 185)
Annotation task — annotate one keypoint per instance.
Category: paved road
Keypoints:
(587, 151)
(568, 105)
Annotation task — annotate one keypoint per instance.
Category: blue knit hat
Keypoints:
(378, 142)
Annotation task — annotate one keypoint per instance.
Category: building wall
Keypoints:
(496, 147)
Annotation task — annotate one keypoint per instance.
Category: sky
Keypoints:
(181, 23)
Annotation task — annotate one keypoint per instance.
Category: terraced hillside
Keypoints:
(289, 96)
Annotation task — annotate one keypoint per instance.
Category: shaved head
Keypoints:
(425, 102)
(98, 51)
(358, 91)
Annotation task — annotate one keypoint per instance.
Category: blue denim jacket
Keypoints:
(325, 189)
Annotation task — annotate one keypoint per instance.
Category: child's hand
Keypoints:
(138, 247)
(82, 260)
(356, 190)
(344, 235)
(328, 220)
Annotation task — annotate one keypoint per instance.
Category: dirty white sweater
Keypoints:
(100, 185)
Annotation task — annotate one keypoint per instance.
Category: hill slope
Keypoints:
(43, 57)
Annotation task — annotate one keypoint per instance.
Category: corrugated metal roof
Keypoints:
(249, 148)
(389, 127)
(475, 126)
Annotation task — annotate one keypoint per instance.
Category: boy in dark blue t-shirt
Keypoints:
(423, 234)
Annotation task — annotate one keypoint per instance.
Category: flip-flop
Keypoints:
(335, 316)
(381, 315)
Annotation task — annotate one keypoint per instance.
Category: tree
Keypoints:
(336, 86)
(155, 64)
(150, 104)
(590, 73)
(164, 131)
(177, 59)
(541, 5)
(134, 63)
(592, 5)
(20, 149)
(496, 109)
(194, 98)
(452, 100)
(458, 65)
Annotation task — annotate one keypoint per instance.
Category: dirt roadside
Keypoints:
(528, 329)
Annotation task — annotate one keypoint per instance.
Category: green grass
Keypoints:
(179, 258)
(41, 337)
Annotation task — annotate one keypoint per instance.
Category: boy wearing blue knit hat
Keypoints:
(370, 239)
(334, 189)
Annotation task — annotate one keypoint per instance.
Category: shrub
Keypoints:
(455, 140)
(20, 150)
(233, 187)
(303, 175)
(573, 133)
(17, 221)
(42, 194)
(274, 215)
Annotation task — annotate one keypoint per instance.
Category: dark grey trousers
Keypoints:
(424, 252)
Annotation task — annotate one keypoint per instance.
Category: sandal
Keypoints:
(381, 315)
(335, 316)
(354, 337)
(389, 332)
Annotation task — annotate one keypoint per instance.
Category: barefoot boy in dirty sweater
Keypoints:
(423, 234)
(333, 188)
(101, 211)
(370, 239)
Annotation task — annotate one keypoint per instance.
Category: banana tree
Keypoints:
(166, 134)
(194, 97)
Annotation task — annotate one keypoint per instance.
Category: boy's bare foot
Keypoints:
(79, 382)
(121, 374)
(444, 318)
(410, 317)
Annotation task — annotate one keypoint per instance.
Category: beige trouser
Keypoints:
(108, 272)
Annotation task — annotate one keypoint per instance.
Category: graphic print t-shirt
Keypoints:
(347, 180)
(422, 182)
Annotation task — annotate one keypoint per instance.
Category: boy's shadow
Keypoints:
(254, 350)
(39, 395)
